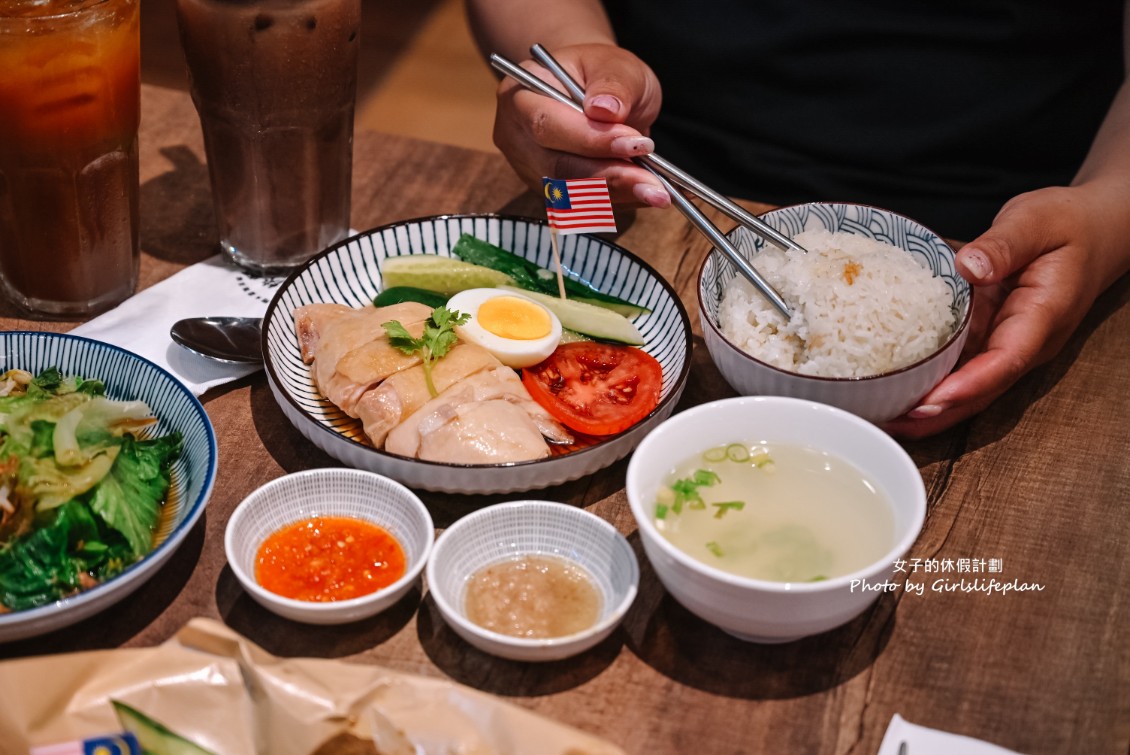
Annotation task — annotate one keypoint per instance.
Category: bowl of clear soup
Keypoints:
(774, 518)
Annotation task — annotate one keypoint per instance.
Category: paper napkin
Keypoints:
(923, 741)
(210, 288)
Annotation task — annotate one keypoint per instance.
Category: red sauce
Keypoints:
(329, 558)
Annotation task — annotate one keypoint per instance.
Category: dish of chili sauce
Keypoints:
(329, 558)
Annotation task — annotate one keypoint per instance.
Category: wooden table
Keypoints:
(1038, 485)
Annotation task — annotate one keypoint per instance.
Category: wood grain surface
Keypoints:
(1039, 482)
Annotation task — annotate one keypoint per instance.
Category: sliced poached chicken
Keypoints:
(482, 414)
(349, 350)
(488, 417)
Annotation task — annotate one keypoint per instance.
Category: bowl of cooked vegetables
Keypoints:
(441, 352)
(774, 518)
(106, 463)
(880, 313)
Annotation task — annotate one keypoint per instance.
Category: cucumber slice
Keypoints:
(154, 737)
(572, 336)
(401, 294)
(443, 275)
(627, 309)
(531, 277)
(588, 319)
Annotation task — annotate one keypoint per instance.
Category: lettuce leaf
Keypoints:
(22, 418)
(51, 382)
(129, 498)
(94, 425)
(50, 562)
(50, 485)
(42, 439)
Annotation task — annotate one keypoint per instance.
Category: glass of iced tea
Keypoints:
(274, 82)
(70, 96)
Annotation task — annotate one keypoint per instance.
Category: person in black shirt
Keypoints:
(1002, 122)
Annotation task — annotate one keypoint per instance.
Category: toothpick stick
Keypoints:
(557, 263)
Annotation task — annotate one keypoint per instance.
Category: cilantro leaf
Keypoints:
(437, 339)
(399, 337)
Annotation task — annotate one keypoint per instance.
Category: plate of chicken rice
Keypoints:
(439, 352)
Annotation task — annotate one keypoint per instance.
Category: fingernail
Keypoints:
(925, 411)
(631, 146)
(652, 196)
(606, 102)
(977, 264)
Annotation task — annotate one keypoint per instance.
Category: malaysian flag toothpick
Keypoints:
(578, 205)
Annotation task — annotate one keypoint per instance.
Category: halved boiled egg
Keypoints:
(518, 331)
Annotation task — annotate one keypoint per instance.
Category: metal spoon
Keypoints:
(234, 340)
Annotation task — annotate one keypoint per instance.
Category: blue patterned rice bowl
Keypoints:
(877, 398)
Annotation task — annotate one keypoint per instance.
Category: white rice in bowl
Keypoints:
(861, 307)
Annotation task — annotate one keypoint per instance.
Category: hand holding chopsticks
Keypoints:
(666, 173)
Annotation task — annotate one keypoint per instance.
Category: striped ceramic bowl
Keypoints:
(336, 492)
(126, 377)
(349, 273)
(877, 398)
(514, 530)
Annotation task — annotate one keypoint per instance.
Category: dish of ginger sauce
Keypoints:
(329, 558)
(533, 597)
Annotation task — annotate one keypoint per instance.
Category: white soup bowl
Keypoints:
(754, 609)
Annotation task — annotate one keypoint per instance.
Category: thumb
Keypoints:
(1017, 236)
(622, 89)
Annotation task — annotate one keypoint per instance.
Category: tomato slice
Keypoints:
(596, 388)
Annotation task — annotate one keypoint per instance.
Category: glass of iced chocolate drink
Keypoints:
(274, 82)
(70, 97)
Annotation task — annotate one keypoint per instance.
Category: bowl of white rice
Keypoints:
(880, 313)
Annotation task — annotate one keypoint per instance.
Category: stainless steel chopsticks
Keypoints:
(675, 173)
(700, 221)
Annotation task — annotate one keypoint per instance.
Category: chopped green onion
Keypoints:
(726, 506)
(715, 454)
(761, 458)
(706, 478)
(737, 452)
(714, 548)
(818, 578)
(686, 490)
(660, 511)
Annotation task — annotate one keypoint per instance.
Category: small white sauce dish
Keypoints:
(760, 610)
(511, 530)
(329, 492)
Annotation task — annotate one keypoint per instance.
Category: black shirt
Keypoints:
(939, 110)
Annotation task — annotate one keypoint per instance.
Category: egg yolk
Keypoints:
(514, 318)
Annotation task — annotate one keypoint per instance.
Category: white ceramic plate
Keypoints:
(349, 273)
(127, 377)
